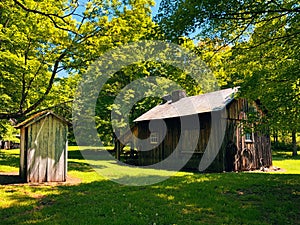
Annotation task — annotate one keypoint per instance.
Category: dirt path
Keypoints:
(13, 178)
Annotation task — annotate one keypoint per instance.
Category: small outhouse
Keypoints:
(43, 148)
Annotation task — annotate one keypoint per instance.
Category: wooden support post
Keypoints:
(131, 150)
(118, 149)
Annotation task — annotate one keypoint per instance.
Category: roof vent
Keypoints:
(177, 95)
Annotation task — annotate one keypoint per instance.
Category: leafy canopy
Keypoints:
(40, 39)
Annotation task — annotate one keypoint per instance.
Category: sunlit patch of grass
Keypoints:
(9, 160)
(167, 197)
(184, 198)
(285, 161)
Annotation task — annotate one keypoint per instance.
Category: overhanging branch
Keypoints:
(49, 87)
(51, 16)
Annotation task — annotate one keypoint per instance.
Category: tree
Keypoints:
(231, 20)
(268, 73)
(263, 37)
(38, 40)
(161, 73)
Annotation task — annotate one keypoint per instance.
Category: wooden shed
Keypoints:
(239, 150)
(43, 148)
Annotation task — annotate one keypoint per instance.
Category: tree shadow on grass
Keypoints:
(10, 179)
(9, 159)
(190, 199)
(75, 154)
(283, 155)
(80, 166)
(83, 165)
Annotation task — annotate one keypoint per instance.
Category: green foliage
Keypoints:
(268, 74)
(262, 55)
(40, 39)
(165, 79)
(8, 132)
(231, 20)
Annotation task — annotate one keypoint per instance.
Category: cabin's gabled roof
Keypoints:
(38, 116)
(213, 101)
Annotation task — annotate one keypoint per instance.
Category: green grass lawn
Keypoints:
(185, 198)
(285, 160)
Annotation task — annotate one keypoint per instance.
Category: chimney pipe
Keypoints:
(166, 98)
(177, 95)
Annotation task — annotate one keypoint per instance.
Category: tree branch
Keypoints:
(50, 107)
(271, 39)
(48, 15)
(297, 10)
(49, 87)
(26, 52)
(236, 38)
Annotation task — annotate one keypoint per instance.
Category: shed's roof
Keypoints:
(213, 101)
(38, 116)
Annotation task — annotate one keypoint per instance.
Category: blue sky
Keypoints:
(154, 12)
(155, 8)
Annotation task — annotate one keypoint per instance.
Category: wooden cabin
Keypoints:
(237, 150)
(43, 148)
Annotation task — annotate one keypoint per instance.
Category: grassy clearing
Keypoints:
(185, 198)
(9, 160)
(283, 159)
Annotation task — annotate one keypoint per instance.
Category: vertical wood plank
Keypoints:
(62, 154)
(33, 154)
(60, 151)
(22, 171)
(50, 150)
(37, 152)
(66, 153)
(28, 161)
(56, 140)
(57, 150)
(43, 146)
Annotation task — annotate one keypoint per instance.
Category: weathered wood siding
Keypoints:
(44, 151)
(171, 141)
(235, 152)
(263, 150)
(23, 163)
(250, 154)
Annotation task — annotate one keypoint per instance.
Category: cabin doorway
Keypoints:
(230, 156)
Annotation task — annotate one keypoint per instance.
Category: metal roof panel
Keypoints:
(213, 101)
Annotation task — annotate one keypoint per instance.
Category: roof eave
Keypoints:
(35, 118)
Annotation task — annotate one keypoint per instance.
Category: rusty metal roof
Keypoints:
(213, 101)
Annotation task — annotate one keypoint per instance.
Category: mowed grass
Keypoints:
(284, 160)
(185, 198)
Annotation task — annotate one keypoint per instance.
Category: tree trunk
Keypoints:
(275, 136)
(294, 142)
